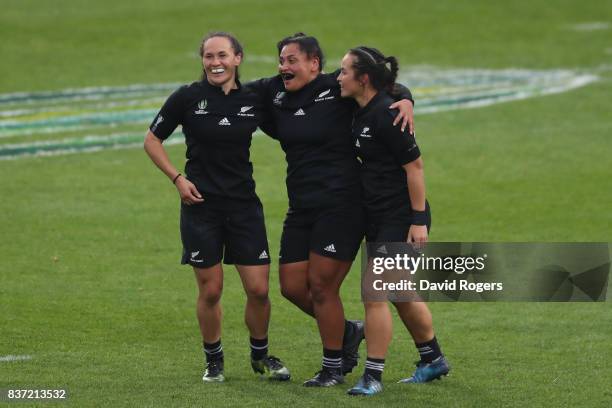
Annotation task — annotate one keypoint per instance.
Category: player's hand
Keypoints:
(188, 191)
(417, 235)
(406, 114)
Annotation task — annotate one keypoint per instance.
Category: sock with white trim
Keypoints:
(375, 367)
(213, 351)
(429, 351)
(259, 348)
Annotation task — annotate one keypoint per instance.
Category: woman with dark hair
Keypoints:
(221, 216)
(324, 225)
(397, 211)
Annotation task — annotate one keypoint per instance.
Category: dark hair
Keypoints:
(236, 46)
(381, 70)
(308, 45)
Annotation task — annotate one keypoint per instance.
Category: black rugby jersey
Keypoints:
(313, 126)
(218, 130)
(383, 149)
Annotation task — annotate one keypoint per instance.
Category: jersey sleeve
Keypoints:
(169, 116)
(400, 92)
(402, 145)
(262, 87)
(267, 124)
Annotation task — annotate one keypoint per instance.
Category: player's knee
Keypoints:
(258, 293)
(321, 291)
(212, 294)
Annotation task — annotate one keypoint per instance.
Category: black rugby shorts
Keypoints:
(335, 232)
(394, 226)
(231, 230)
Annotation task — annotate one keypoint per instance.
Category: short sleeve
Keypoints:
(262, 88)
(170, 115)
(400, 92)
(402, 145)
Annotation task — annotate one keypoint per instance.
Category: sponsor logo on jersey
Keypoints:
(299, 112)
(278, 98)
(330, 248)
(263, 255)
(224, 122)
(245, 109)
(159, 120)
(201, 107)
(323, 96)
(364, 132)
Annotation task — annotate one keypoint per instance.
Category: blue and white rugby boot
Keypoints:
(367, 385)
(426, 372)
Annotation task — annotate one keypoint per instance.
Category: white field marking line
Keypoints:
(77, 94)
(64, 108)
(87, 138)
(576, 83)
(11, 357)
(590, 26)
(73, 150)
(458, 87)
(78, 115)
(53, 129)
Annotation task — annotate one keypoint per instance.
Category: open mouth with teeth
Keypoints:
(287, 76)
(217, 70)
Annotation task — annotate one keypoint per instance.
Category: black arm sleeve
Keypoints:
(169, 116)
(402, 145)
(400, 92)
(262, 87)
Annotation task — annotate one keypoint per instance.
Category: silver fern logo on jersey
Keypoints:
(244, 110)
(323, 96)
(364, 132)
(278, 99)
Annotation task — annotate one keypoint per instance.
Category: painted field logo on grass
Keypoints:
(89, 119)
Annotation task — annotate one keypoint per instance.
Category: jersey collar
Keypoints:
(217, 89)
(373, 102)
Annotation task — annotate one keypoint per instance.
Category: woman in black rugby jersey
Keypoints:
(221, 216)
(397, 211)
(324, 225)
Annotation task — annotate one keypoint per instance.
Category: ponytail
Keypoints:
(381, 70)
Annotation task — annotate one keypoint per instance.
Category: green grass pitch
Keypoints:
(90, 285)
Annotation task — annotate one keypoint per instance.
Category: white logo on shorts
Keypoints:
(382, 249)
(330, 248)
(263, 255)
(193, 255)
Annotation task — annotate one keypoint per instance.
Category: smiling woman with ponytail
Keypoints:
(396, 209)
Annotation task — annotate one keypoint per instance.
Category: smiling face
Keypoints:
(296, 68)
(350, 86)
(220, 61)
